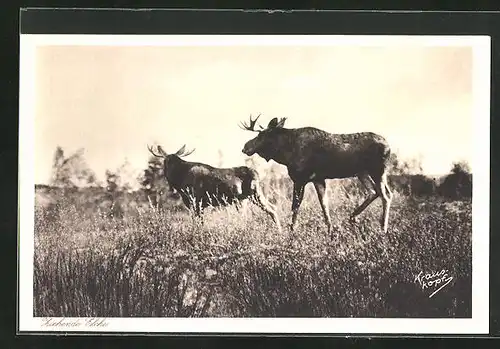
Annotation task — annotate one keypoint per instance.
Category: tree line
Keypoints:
(71, 171)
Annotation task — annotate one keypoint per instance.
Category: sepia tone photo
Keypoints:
(212, 179)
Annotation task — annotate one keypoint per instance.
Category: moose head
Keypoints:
(268, 141)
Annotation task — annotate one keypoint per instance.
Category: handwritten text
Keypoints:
(74, 322)
(435, 281)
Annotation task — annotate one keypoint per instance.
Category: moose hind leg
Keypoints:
(369, 184)
(321, 190)
(386, 195)
(259, 199)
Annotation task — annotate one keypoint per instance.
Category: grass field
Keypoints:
(152, 263)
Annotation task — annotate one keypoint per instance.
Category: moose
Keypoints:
(314, 155)
(201, 185)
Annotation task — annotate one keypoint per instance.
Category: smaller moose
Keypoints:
(201, 185)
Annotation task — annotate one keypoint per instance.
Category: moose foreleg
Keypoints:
(323, 201)
(298, 196)
(198, 212)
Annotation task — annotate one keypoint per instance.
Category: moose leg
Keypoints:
(386, 195)
(369, 184)
(323, 201)
(260, 200)
(237, 205)
(387, 189)
(298, 196)
(198, 212)
(190, 203)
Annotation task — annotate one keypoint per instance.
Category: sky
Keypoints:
(115, 100)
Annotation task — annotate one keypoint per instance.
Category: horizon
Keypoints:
(113, 101)
(262, 165)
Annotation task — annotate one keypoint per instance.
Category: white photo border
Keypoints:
(478, 324)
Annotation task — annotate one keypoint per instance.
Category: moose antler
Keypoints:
(152, 152)
(251, 125)
(182, 151)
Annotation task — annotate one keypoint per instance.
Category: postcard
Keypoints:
(254, 184)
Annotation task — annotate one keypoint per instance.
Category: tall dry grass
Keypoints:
(152, 263)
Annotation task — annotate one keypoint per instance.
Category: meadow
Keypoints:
(161, 262)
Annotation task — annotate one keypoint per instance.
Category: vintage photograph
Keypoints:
(241, 177)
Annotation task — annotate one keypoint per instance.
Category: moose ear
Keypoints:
(273, 123)
(281, 123)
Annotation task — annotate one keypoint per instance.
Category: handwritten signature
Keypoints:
(433, 281)
(74, 322)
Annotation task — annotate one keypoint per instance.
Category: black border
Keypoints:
(116, 21)
(178, 21)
